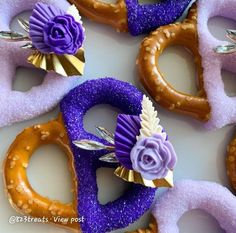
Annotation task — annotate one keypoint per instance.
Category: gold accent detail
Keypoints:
(66, 65)
(135, 177)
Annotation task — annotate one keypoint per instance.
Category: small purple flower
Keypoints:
(54, 31)
(153, 157)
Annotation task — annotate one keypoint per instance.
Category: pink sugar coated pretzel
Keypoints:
(188, 195)
(223, 107)
(17, 106)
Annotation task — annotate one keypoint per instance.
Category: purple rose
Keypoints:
(54, 31)
(63, 35)
(153, 157)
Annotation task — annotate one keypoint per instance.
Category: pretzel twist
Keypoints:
(188, 195)
(184, 34)
(16, 105)
(21, 195)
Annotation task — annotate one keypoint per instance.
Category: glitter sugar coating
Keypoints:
(137, 199)
(15, 105)
(144, 18)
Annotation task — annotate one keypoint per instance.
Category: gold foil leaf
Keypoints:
(135, 177)
(66, 65)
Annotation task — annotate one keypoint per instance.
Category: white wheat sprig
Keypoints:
(149, 120)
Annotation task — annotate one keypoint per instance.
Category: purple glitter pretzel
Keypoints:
(135, 201)
(144, 18)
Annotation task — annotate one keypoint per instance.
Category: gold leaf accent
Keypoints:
(135, 177)
(66, 65)
(149, 120)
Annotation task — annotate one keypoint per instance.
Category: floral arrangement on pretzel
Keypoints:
(140, 146)
(56, 38)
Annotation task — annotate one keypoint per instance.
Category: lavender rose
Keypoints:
(57, 33)
(153, 157)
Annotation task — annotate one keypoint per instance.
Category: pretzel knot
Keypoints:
(21, 195)
(16, 105)
(130, 15)
(83, 164)
(184, 34)
(211, 56)
(188, 195)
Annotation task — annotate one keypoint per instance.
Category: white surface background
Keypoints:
(201, 154)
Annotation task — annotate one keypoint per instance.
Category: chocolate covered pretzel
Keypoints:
(184, 34)
(129, 15)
